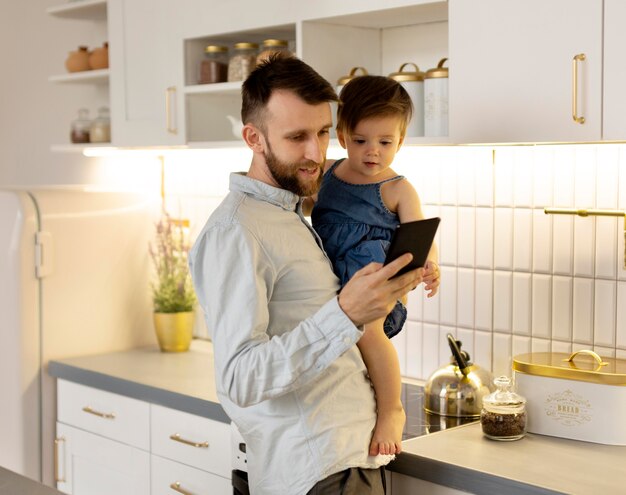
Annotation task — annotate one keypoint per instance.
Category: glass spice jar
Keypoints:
(100, 130)
(214, 66)
(271, 46)
(503, 415)
(242, 61)
(79, 129)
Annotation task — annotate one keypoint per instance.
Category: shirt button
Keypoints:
(346, 340)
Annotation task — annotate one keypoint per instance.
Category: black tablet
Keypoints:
(415, 238)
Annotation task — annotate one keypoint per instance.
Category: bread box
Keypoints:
(579, 396)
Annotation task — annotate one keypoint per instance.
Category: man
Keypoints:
(288, 371)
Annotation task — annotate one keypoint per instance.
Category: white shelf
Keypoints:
(77, 148)
(100, 76)
(227, 88)
(80, 9)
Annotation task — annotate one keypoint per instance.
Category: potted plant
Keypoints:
(172, 291)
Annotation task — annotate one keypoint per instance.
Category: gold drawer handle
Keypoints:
(176, 487)
(57, 477)
(88, 409)
(176, 437)
(581, 57)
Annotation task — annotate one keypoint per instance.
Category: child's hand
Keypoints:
(431, 278)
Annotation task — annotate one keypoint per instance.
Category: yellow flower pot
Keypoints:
(174, 330)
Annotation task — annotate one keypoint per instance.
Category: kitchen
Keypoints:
(514, 279)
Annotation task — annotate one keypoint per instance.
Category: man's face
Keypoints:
(296, 139)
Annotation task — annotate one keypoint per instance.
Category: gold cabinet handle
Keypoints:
(176, 487)
(169, 94)
(57, 477)
(581, 57)
(90, 410)
(201, 445)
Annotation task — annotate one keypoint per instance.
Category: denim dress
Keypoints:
(356, 227)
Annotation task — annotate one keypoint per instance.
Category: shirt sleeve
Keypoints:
(234, 280)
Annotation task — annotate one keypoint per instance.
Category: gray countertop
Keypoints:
(15, 484)
(460, 457)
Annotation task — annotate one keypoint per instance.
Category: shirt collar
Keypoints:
(286, 200)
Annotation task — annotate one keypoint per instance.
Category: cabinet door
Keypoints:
(146, 73)
(614, 100)
(89, 464)
(406, 485)
(511, 70)
(169, 477)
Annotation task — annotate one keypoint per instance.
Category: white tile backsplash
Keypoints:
(541, 306)
(585, 177)
(562, 244)
(466, 254)
(503, 239)
(584, 247)
(465, 291)
(607, 177)
(543, 176)
(484, 238)
(562, 308)
(504, 166)
(582, 318)
(542, 242)
(448, 231)
(502, 301)
(605, 311)
(607, 262)
(523, 177)
(448, 296)
(564, 164)
(522, 239)
(621, 314)
(522, 291)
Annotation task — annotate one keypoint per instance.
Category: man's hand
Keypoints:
(370, 294)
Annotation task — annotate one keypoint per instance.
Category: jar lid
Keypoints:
(402, 75)
(344, 79)
(503, 396)
(216, 49)
(438, 72)
(246, 46)
(588, 367)
(273, 42)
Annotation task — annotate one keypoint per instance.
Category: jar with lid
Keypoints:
(436, 100)
(272, 46)
(214, 65)
(100, 130)
(413, 82)
(503, 416)
(79, 129)
(242, 61)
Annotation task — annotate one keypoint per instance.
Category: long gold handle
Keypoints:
(90, 410)
(201, 445)
(176, 487)
(57, 478)
(169, 93)
(580, 57)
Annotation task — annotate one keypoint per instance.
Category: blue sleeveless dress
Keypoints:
(356, 227)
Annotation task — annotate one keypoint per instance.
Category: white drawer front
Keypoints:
(198, 441)
(169, 478)
(110, 415)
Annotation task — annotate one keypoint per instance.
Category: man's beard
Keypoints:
(286, 174)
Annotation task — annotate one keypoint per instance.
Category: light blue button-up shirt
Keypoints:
(287, 368)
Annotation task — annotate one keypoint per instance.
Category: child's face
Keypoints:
(373, 144)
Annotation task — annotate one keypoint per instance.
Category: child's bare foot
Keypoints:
(387, 438)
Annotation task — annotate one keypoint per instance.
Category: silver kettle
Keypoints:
(458, 388)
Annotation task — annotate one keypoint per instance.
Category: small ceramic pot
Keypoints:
(99, 57)
(78, 60)
(174, 330)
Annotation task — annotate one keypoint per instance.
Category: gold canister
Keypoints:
(174, 330)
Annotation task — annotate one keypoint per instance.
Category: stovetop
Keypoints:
(418, 421)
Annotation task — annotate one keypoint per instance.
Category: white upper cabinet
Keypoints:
(614, 101)
(514, 76)
(147, 74)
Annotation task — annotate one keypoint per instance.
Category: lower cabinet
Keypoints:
(169, 477)
(89, 464)
(406, 485)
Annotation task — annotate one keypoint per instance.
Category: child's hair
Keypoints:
(372, 96)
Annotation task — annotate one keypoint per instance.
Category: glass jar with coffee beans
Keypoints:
(242, 61)
(503, 415)
(214, 65)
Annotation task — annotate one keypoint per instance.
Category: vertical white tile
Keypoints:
(426, 179)
(430, 350)
(414, 304)
(502, 297)
(585, 179)
(541, 301)
(483, 349)
(430, 306)
(399, 343)
(484, 300)
(484, 237)
(540, 345)
(621, 254)
(564, 160)
(607, 179)
(414, 349)
(503, 239)
(604, 314)
(543, 176)
(584, 247)
(562, 244)
(542, 242)
(562, 308)
(465, 299)
(466, 178)
(444, 348)
(449, 166)
(523, 176)
(503, 176)
(608, 352)
(466, 249)
(620, 354)
(560, 346)
(622, 177)
(582, 324)
(448, 232)
(447, 296)
(606, 246)
(520, 345)
(484, 176)
(522, 289)
(502, 359)
(466, 336)
(522, 239)
(621, 315)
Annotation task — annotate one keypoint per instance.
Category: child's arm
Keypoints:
(309, 202)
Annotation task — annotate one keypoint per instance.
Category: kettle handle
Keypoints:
(458, 356)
